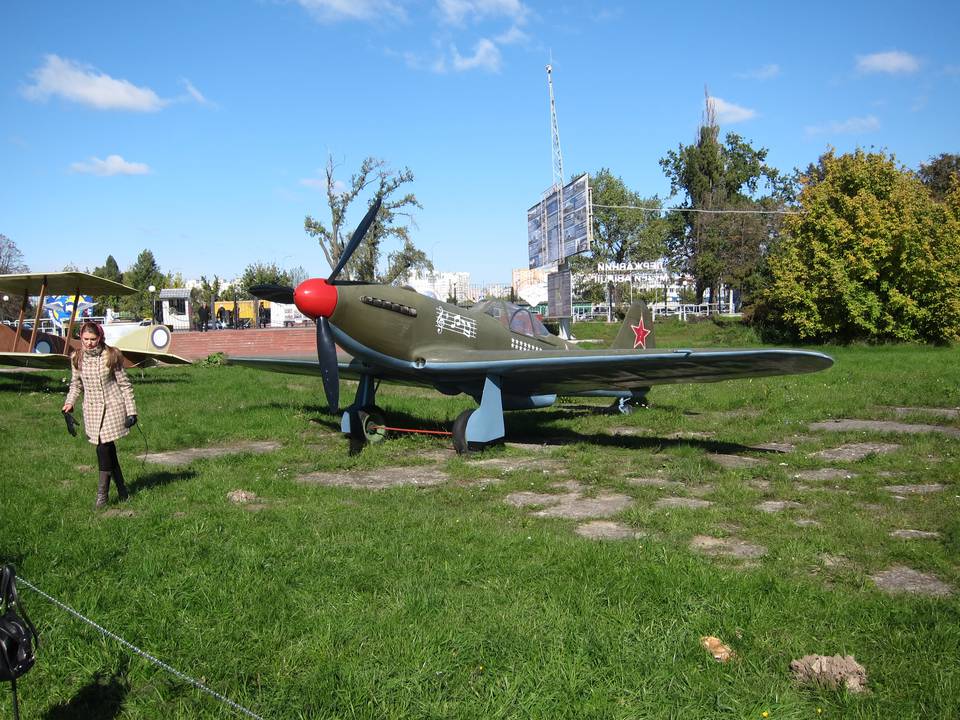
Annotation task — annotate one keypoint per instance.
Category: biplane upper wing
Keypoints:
(61, 283)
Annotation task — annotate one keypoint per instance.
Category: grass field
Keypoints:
(456, 600)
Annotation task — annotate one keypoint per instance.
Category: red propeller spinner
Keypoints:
(315, 298)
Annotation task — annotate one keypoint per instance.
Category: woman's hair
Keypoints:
(113, 355)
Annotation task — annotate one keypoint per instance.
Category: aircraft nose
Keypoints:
(315, 298)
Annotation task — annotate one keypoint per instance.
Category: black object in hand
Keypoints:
(71, 423)
(130, 421)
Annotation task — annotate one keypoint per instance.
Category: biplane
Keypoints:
(499, 354)
(142, 346)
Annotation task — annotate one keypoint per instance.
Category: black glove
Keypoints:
(71, 423)
(130, 421)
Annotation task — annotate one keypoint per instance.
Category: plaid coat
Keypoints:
(107, 398)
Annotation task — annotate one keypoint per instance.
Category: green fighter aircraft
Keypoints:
(499, 354)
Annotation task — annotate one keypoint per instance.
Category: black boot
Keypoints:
(103, 487)
(118, 481)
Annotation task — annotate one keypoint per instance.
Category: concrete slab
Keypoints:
(379, 479)
(883, 426)
(901, 579)
(914, 489)
(188, 455)
(606, 530)
(582, 508)
(915, 534)
(851, 452)
(733, 462)
(726, 547)
(681, 502)
(824, 474)
(775, 506)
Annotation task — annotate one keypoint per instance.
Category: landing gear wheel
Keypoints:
(460, 443)
(372, 424)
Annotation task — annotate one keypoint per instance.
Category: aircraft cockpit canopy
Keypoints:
(518, 319)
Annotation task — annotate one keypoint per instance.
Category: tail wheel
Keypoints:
(460, 443)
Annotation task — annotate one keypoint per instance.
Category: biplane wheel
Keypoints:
(372, 424)
(460, 443)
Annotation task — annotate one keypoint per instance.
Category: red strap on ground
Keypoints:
(409, 430)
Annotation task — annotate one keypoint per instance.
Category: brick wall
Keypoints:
(254, 342)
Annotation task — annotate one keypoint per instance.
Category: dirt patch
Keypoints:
(681, 502)
(727, 547)
(188, 455)
(900, 579)
(606, 530)
(806, 522)
(915, 534)
(239, 497)
(830, 672)
(380, 479)
(939, 412)
(659, 483)
(775, 506)
(690, 435)
(851, 452)
(569, 485)
(83, 468)
(581, 508)
(884, 426)
(824, 474)
(759, 484)
(733, 462)
(118, 513)
(700, 490)
(914, 489)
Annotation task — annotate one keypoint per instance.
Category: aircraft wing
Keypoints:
(567, 373)
(626, 370)
(61, 283)
(43, 361)
(144, 358)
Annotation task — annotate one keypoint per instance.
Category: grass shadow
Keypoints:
(29, 381)
(158, 479)
(100, 699)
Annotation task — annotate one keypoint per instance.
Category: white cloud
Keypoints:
(194, 93)
(486, 56)
(851, 126)
(334, 10)
(767, 72)
(84, 84)
(456, 12)
(512, 36)
(729, 113)
(113, 165)
(894, 62)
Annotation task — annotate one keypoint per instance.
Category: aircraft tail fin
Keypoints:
(148, 344)
(637, 329)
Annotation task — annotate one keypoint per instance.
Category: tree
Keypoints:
(620, 233)
(714, 246)
(140, 276)
(207, 294)
(109, 271)
(332, 240)
(11, 261)
(873, 257)
(940, 174)
(258, 274)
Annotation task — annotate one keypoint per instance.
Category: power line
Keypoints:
(701, 210)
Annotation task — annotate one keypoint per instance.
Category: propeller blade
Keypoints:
(357, 237)
(273, 293)
(327, 357)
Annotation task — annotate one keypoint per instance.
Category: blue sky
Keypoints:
(195, 129)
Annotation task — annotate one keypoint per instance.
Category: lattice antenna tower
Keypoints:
(557, 162)
(555, 134)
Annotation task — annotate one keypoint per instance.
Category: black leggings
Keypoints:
(107, 456)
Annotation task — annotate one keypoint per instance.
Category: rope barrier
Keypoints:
(142, 653)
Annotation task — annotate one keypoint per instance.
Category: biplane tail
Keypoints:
(148, 345)
(637, 329)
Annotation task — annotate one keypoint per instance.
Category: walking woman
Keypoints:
(109, 410)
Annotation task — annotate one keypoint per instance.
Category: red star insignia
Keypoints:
(639, 335)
